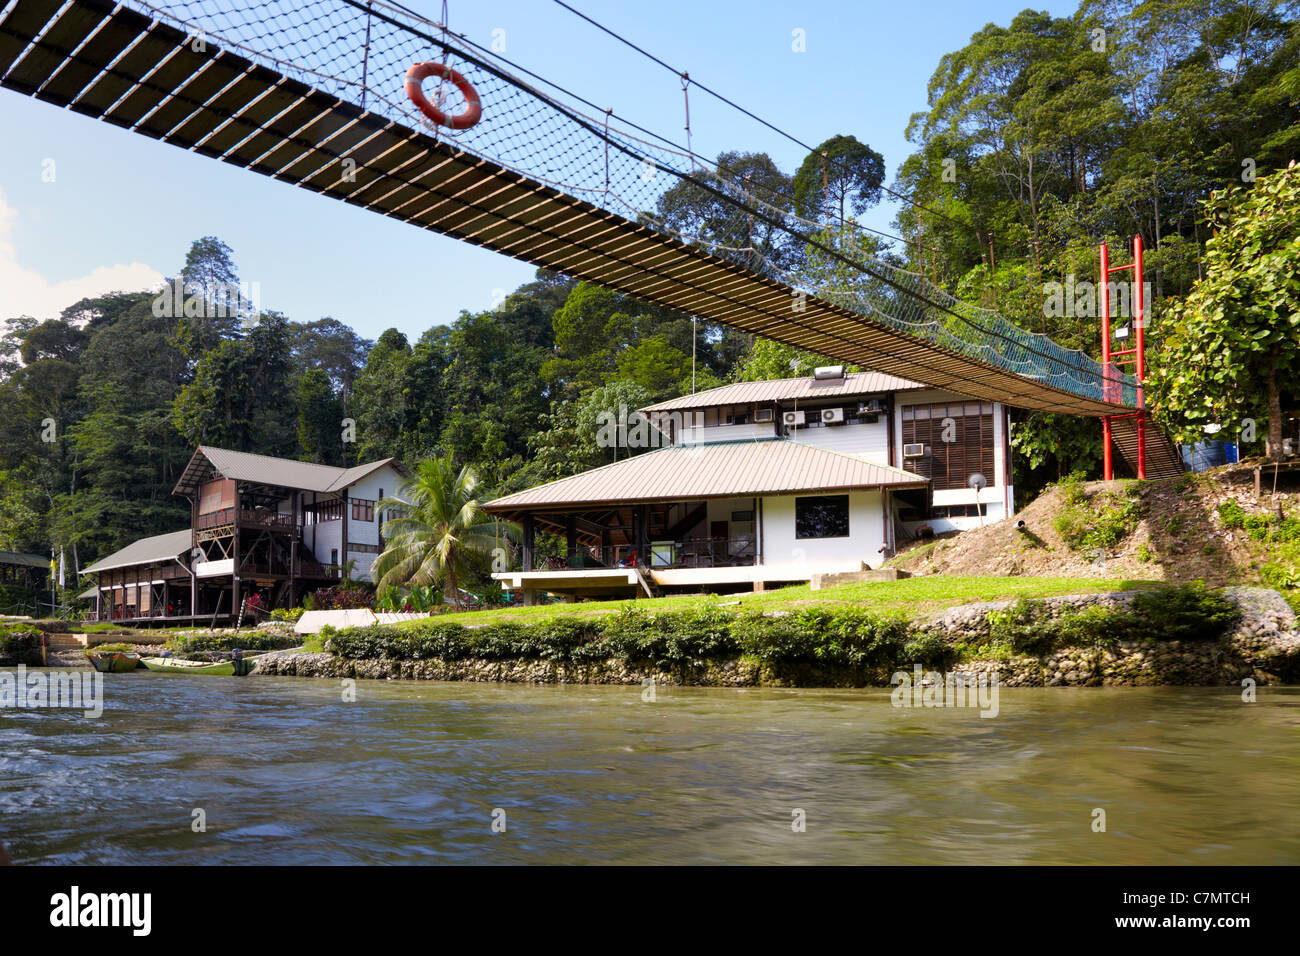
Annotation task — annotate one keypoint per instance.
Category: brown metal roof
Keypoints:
(788, 389)
(161, 547)
(265, 470)
(711, 470)
(141, 74)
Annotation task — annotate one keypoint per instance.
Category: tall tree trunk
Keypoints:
(1274, 449)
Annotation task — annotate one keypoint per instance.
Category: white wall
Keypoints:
(867, 440)
(322, 537)
(750, 432)
(385, 479)
(866, 532)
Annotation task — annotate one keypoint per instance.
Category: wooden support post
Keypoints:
(529, 544)
(1107, 471)
(234, 564)
(570, 540)
(295, 510)
(343, 545)
(642, 528)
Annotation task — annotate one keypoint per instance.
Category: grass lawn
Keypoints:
(911, 595)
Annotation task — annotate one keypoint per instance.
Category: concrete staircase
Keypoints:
(64, 642)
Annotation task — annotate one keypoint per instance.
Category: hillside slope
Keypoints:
(1210, 526)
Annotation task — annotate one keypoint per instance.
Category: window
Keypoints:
(331, 510)
(354, 548)
(826, 517)
(363, 509)
(959, 511)
(957, 439)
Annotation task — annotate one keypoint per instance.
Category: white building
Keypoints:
(270, 527)
(768, 482)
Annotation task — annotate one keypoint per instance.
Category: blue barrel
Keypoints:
(1206, 454)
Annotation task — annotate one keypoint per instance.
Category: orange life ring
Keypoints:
(415, 78)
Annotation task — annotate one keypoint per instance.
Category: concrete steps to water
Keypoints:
(66, 641)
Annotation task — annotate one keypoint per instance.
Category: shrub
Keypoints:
(1164, 614)
(671, 638)
(1189, 611)
(291, 614)
(342, 597)
(930, 650)
(1102, 521)
(244, 640)
(849, 637)
(1259, 527)
(20, 644)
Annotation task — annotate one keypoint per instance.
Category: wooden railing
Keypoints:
(247, 519)
(266, 519)
(215, 519)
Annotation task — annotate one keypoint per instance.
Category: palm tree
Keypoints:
(436, 525)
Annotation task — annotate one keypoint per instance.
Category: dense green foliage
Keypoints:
(1235, 346)
(1190, 611)
(1279, 537)
(842, 638)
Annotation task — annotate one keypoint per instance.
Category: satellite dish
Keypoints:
(978, 481)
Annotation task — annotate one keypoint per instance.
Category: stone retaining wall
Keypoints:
(1263, 645)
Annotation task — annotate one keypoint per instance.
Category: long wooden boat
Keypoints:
(175, 665)
(114, 662)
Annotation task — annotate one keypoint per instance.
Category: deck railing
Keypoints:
(719, 552)
(248, 518)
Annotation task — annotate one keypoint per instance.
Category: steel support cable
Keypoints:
(753, 116)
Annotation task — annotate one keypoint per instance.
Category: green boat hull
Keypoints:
(171, 665)
(114, 662)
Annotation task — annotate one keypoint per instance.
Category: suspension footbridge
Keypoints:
(315, 95)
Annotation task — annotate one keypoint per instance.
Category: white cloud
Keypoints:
(25, 291)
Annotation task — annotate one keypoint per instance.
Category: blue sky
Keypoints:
(122, 208)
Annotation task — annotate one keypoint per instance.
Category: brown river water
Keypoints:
(286, 771)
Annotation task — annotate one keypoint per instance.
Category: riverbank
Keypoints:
(1171, 636)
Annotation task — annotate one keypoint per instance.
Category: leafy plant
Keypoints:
(1100, 522)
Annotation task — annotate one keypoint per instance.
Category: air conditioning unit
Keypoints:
(792, 418)
(763, 415)
(832, 415)
(914, 450)
(866, 408)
